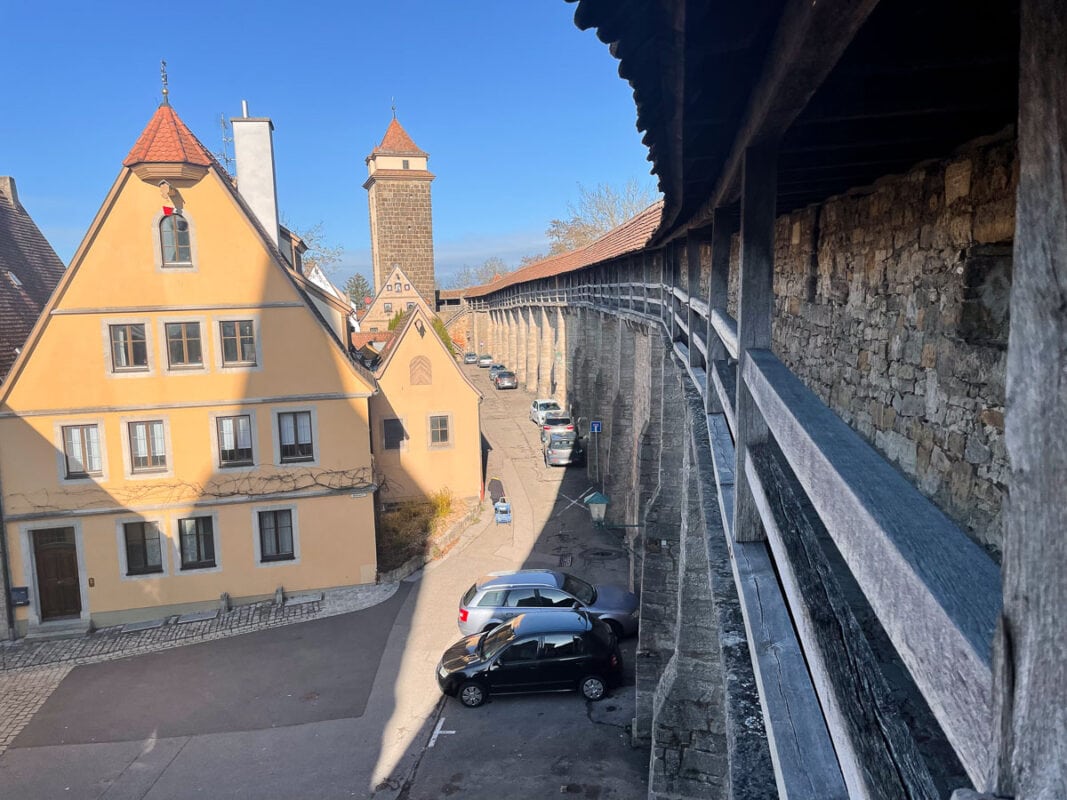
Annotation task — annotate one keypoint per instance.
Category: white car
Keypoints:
(540, 407)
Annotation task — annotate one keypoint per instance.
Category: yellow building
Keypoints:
(185, 420)
(426, 427)
(397, 296)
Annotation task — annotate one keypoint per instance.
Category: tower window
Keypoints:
(174, 241)
(407, 164)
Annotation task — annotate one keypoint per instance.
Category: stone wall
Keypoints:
(402, 232)
(892, 307)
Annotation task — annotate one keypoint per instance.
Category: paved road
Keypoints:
(347, 706)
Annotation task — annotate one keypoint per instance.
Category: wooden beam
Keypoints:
(1030, 695)
(755, 311)
(808, 43)
(718, 292)
(853, 692)
(694, 245)
(935, 592)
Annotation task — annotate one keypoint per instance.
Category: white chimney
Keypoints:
(253, 146)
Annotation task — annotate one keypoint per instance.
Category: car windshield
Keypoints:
(579, 588)
(495, 640)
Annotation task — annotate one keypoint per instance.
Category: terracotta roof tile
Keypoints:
(167, 140)
(398, 142)
(360, 339)
(629, 237)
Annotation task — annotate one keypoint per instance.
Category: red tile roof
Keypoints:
(398, 142)
(451, 294)
(166, 140)
(361, 339)
(629, 237)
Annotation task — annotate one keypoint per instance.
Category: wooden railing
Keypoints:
(935, 593)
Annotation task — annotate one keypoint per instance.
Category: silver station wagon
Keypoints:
(502, 596)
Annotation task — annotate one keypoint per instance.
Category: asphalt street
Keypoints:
(348, 706)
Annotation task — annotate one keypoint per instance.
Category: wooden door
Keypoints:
(56, 559)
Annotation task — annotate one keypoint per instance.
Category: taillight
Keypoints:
(463, 615)
(570, 427)
(614, 660)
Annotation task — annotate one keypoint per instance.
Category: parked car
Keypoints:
(494, 369)
(506, 379)
(470, 358)
(485, 361)
(501, 596)
(563, 449)
(538, 409)
(556, 423)
(533, 653)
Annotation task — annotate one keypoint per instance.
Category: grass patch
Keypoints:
(408, 529)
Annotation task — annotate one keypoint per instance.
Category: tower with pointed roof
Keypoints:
(401, 226)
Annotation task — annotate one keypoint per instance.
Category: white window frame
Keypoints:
(257, 333)
(127, 454)
(276, 436)
(123, 373)
(176, 542)
(120, 541)
(61, 451)
(257, 542)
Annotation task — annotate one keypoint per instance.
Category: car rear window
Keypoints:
(468, 595)
(492, 599)
(557, 420)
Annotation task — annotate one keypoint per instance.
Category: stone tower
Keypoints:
(401, 227)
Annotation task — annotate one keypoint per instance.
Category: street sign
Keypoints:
(594, 426)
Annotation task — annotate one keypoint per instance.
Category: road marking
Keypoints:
(437, 731)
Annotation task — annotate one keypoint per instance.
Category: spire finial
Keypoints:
(394, 107)
(163, 77)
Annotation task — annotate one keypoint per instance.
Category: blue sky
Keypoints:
(514, 104)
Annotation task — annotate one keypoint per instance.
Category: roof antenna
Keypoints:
(227, 139)
(163, 76)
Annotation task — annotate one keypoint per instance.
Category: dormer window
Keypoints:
(174, 241)
(11, 276)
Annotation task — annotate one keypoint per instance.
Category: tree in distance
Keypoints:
(597, 211)
(320, 252)
(476, 276)
(357, 287)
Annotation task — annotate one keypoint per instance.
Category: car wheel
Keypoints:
(471, 694)
(592, 688)
(616, 628)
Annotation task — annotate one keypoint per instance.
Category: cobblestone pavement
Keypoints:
(31, 670)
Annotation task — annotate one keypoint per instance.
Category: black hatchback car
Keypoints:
(533, 653)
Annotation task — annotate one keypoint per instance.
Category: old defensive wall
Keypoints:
(890, 311)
